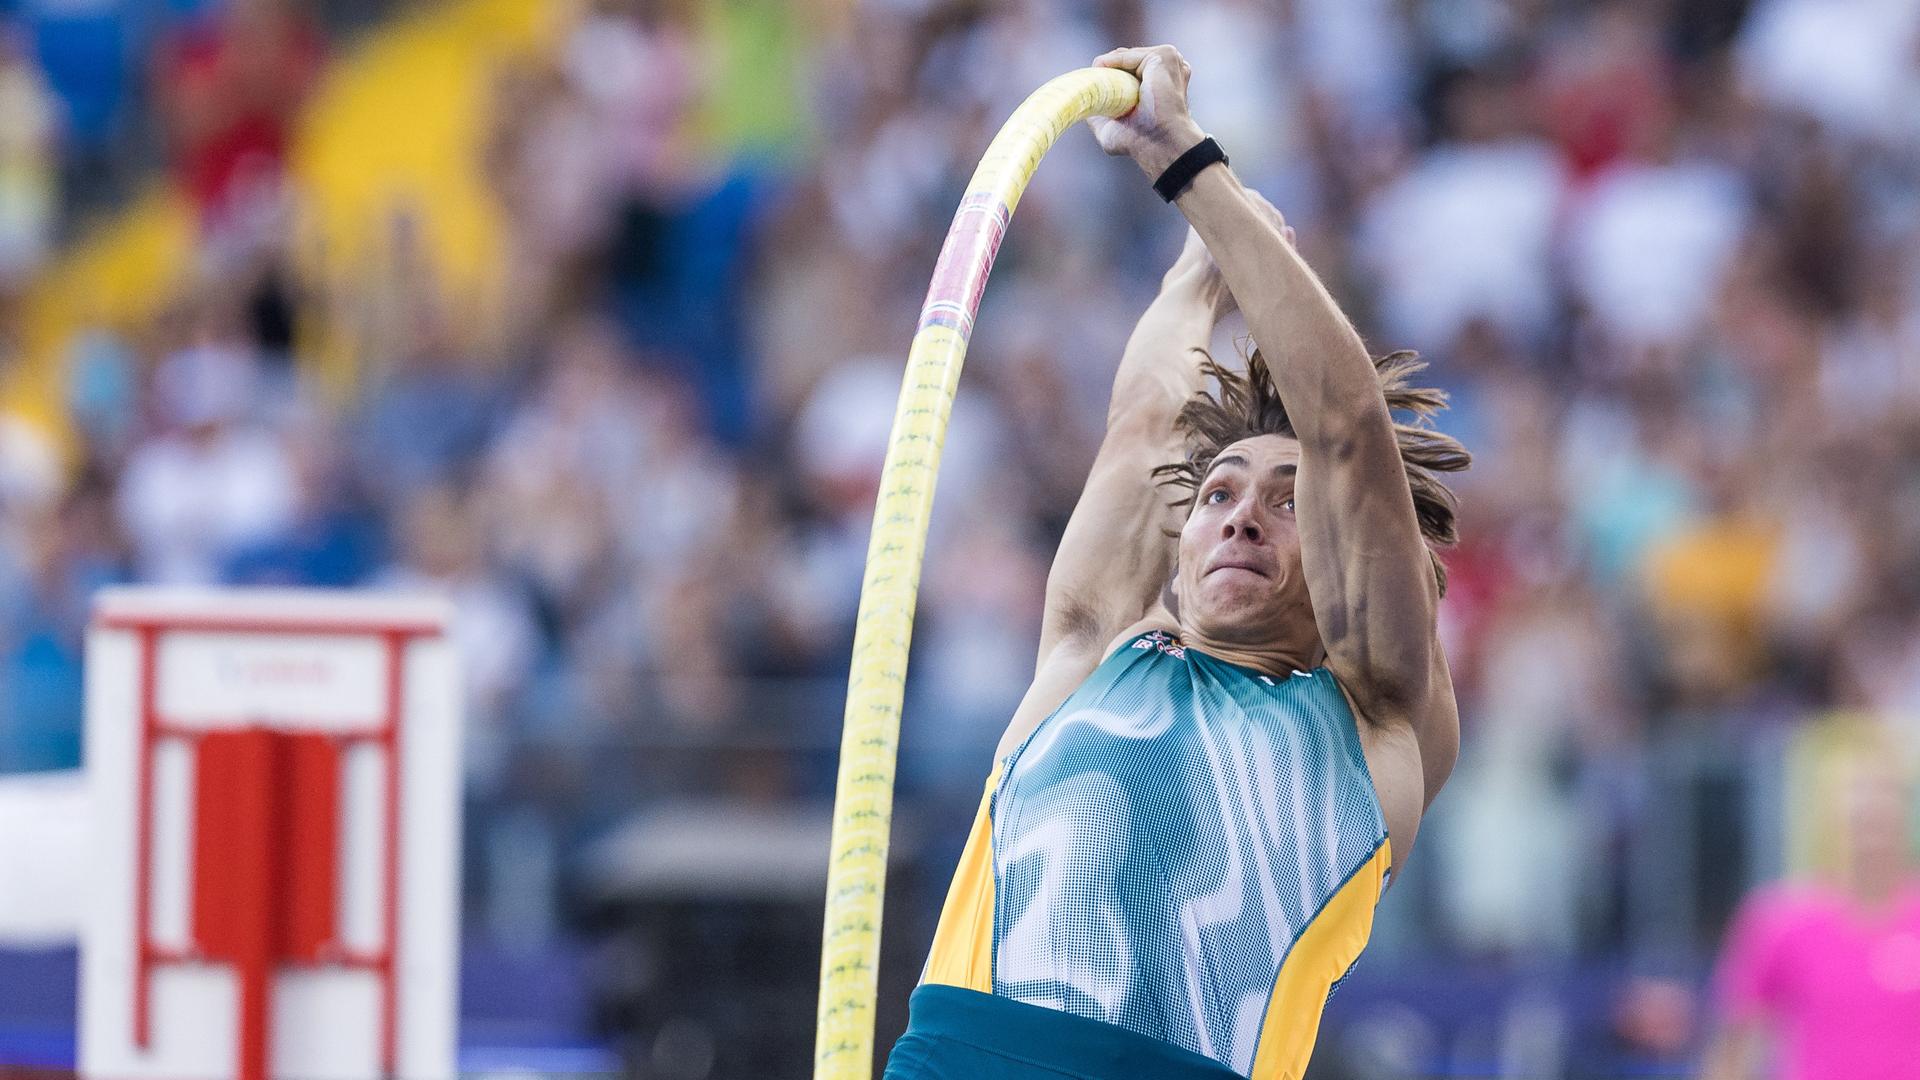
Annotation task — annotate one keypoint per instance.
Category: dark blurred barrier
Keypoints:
(704, 909)
(706, 917)
(650, 900)
(520, 1013)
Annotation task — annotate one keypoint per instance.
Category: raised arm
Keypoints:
(1367, 568)
(1115, 555)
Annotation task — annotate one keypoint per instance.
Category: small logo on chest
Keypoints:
(1165, 642)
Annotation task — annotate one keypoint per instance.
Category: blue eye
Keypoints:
(1211, 496)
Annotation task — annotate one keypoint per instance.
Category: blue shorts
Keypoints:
(956, 1034)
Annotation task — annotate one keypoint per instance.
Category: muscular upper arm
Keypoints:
(1410, 757)
(1115, 554)
(1367, 568)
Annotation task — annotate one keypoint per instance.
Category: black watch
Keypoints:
(1179, 175)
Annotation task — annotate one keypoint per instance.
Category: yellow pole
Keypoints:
(863, 800)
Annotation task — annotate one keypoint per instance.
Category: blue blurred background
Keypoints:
(591, 316)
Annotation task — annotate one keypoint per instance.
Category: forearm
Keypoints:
(1160, 368)
(1364, 557)
(1319, 364)
(1367, 568)
(1114, 555)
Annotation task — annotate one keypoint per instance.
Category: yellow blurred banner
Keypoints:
(397, 128)
(395, 143)
(117, 277)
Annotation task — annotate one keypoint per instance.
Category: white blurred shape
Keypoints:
(43, 843)
(1648, 245)
(1466, 234)
(1848, 63)
(188, 503)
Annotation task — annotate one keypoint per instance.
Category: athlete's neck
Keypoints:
(1278, 660)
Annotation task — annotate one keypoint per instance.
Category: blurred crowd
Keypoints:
(1665, 254)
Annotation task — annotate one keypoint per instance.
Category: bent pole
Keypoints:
(863, 797)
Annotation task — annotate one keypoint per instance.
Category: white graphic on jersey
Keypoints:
(1074, 849)
(1160, 843)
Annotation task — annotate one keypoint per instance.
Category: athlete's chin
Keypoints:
(1234, 618)
(1244, 614)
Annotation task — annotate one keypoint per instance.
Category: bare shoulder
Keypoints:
(1400, 761)
(1061, 672)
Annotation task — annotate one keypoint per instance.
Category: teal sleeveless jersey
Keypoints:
(1187, 848)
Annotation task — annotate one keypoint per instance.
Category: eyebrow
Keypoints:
(1283, 470)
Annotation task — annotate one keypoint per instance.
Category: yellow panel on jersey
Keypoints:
(1320, 958)
(962, 952)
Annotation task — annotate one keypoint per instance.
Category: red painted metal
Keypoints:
(334, 957)
(390, 942)
(187, 733)
(143, 952)
(306, 789)
(265, 624)
(238, 809)
(265, 864)
(306, 896)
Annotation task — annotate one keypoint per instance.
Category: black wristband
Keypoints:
(1179, 175)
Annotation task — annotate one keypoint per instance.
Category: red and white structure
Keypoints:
(274, 777)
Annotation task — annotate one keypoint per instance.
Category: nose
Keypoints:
(1242, 522)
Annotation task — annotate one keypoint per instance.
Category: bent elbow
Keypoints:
(1341, 437)
(1400, 680)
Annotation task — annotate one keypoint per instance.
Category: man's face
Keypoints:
(1239, 579)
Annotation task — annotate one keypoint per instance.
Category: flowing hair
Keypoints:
(1248, 405)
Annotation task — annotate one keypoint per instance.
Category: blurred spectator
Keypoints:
(1607, 80)
(1847, 63)
(1465, 232)
(28, 182)
(87, 52)
(40, 729)
(431, 405)
(333, 538)
(229, 83)
(440, 549)
(72, 550)
(212, 480)
(1649, 241)
(1826, 975)
(103, 393)
(29, 470)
